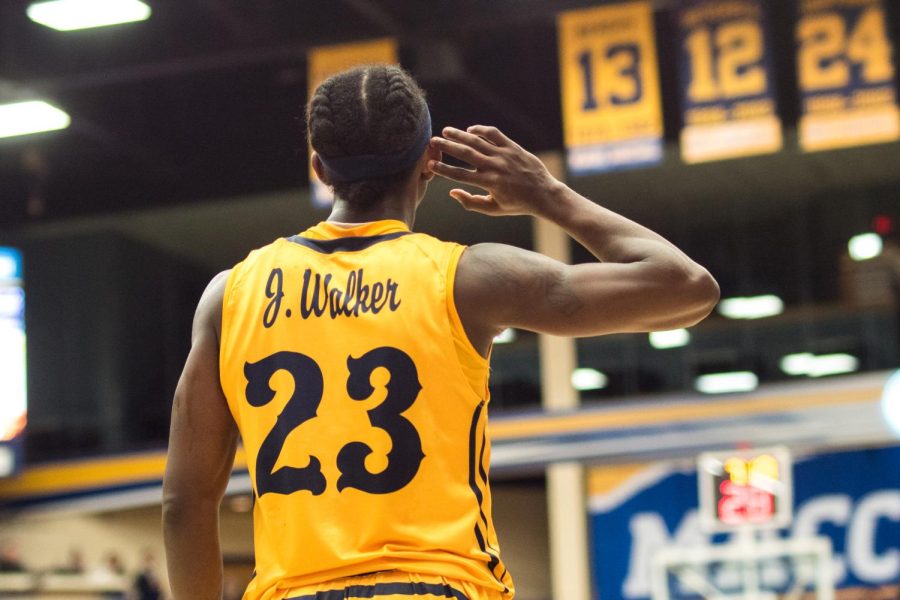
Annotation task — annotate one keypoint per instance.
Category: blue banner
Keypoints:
(846, 74)
(727, 88)
(853, 498)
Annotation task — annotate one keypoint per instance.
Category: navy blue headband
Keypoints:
(347, 169)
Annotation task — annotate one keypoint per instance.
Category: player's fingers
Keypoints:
(477, 142)
(491, 134)
(478, 203)
(460, 151)
(455, 173)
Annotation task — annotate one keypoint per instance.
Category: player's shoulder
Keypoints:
(429, 245)
(216, 285)
(256, 259)
(209, 308)
(493, 257)
(491, 272)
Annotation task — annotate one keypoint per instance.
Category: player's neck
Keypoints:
(398, 209)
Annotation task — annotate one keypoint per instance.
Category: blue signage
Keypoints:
(853, 498)
(13, 401)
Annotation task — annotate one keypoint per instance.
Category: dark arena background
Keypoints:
(753, 457)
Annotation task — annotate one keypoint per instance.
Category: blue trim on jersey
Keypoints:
(347, 244)
(386, 589)
(493, 559)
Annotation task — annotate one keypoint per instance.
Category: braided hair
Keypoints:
(372, 109)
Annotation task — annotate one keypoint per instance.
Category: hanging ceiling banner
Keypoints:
(727, 87)
(612, 114)
(846, 74)
(324, 62)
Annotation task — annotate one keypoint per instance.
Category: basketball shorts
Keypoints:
(394, 585)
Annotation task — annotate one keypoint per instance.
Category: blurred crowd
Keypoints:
(111, 575)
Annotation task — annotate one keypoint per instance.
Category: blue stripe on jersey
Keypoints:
(493, 559)
(386, 589)
(347, 244)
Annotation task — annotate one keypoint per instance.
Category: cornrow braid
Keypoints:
(373, 109)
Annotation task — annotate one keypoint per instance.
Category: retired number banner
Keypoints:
(612, 113)
(846, 73)
(727, 89)
(328, 60)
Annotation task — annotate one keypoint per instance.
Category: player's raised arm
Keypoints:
(644, 283)
(202, 443)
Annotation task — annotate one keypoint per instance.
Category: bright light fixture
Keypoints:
(36, 116)
(69, 15)
(9, 267)
(676, 338)
(588, 379)
(726, 383)
(797, 364)
(505, 337)
(7, 461)
(865, 246)
(834, 364)
(890, 403)
(753, 307)
(811, 365)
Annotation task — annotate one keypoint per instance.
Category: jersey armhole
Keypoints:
(225, 326)
(467, 352)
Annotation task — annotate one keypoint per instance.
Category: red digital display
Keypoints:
(744, 504)
(745, 488)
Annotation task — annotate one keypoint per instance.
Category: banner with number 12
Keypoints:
(727, 88)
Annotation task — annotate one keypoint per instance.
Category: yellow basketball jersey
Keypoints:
(362, 408)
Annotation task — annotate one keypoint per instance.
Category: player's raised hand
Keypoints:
(516, 181)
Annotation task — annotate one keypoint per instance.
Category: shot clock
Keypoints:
(745, 489)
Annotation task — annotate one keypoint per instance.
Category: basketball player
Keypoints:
(352, 358)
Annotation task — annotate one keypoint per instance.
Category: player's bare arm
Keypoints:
(643, 282)
(202, 443)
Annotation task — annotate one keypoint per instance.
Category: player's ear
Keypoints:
(319, 168)
(429, 155)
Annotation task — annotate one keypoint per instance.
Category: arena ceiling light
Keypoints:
(585, 380)
(726, 383)
(752, 307)
(865, 246)
(25, 118)
(811, 365)
(9, 266)
(676, 338)
(70, 15)
(833, 364)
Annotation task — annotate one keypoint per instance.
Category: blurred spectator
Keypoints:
(10, 562)
(110, 573)
(75, 564)
(114, 565)
(233, 590)
(146, 584)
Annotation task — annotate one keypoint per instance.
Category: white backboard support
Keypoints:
(748, 569)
